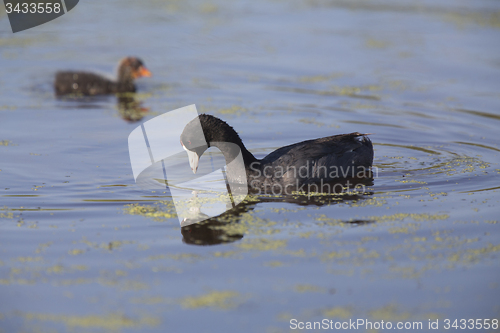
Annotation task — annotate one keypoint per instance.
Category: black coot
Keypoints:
(323, 160)
(84, 83)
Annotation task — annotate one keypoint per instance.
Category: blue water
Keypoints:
(421, 243)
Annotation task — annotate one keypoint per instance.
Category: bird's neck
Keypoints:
(231, 150)
(239, 161)
(248, 157)
(125, 76)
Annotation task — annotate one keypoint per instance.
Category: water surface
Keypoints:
(83, 249)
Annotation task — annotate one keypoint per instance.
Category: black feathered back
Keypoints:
(320, 160)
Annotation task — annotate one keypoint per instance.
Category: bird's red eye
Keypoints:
(189, 142)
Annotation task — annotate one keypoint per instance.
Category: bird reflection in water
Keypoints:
(130, 109)
(212, 232)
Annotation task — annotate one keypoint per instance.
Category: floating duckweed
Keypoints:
(406, 229)
(208, 8)
(79, 267)
(330, 196)
(5, 142)
(298, 253)
(370, 255)
(336, 255)
(415, 217)
(389, 313)
(308, 288)
(114, 244)
(109, 322)
(485, 19)
(70, 282)
(360, 106)
(29, 259)
(166, 269)
(406, 181)
(328, 220)
(347, 90)
(319, 78)
(55, 269)
(129, 285)
(354, 91)
(149, 211)
(7, 216)
(215, 299)
(120, 272)
(231, 229)
(248, 223)
(312, 122)
(274, 263)
(284, 316)
(409, 272)
(184, 256)
(226, 254)
(305, 234)
(377, 44)
(474, 254)
(42, 247)
(374, 202)
(76, 252)
(262, 244)
(149, 300)
(338, 312)
(7, 107)
(15, 270)
(190, 257)
(235, 110)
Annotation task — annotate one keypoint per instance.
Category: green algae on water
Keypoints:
(112, 321)
(214, 299)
